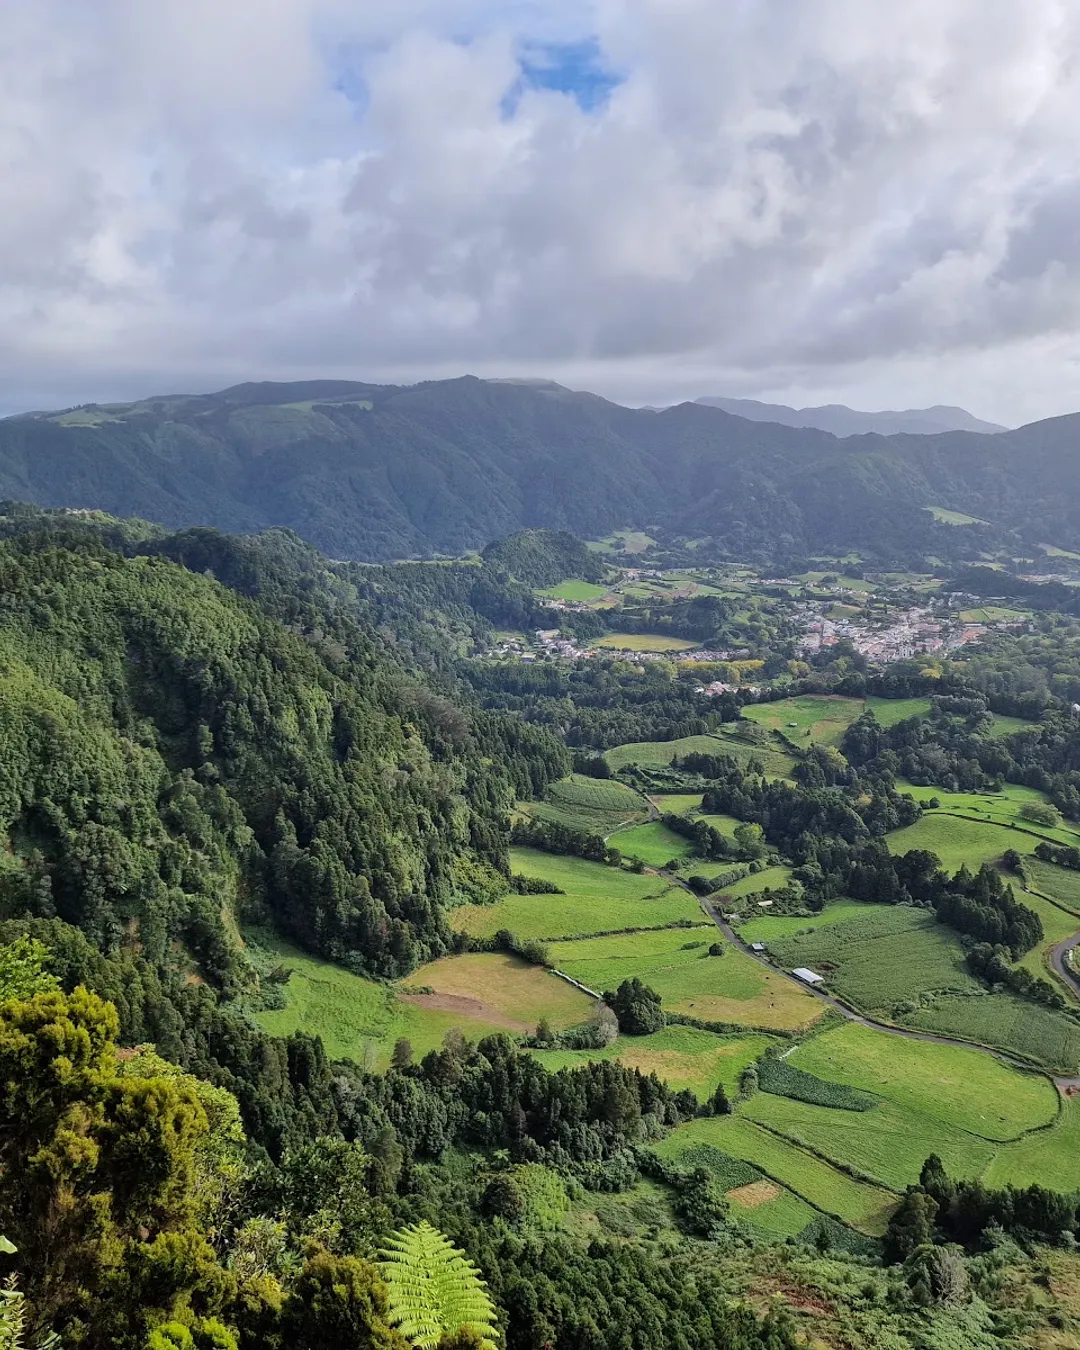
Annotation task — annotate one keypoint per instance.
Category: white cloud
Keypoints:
(819, 200)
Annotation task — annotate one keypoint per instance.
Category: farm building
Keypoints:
(757, 946)
(808, 976)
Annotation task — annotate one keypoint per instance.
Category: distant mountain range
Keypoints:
(842, 421)
(375, 472)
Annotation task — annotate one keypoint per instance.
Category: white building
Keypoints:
(808, 976)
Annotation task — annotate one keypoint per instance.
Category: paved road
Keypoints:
(1062, 966)
(849, 1014)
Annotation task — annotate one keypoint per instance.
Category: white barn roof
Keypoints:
(808, 976)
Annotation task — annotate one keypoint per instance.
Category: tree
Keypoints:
(100, 1176)
(23, 971)
(403, 1053)
(434, 1289)
(1041, 813)
(637, 1008)
(339, 1301)
(911, 1226)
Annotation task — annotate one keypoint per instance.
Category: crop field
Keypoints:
(1008, 1023)
(591, 805)
(877, 955)
(769, 878)
(493, 989)
(682, 1056)
(864, 1206)
(653, 843)
(644, 642)
(629, 541)
(346, 1010)
(655, 754)
(581, 591)
(675, 962)
(677, 803)
(822, 719)
(597, 899)
(889, 1144)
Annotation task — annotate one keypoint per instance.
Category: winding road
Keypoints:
(1065, 1084)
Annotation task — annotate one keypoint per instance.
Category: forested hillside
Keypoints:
(377, 472)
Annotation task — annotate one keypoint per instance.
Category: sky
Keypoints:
(805, 201)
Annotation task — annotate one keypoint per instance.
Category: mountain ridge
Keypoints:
(375, 472)
(843, 421)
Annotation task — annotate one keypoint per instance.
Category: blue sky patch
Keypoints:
(575, 68)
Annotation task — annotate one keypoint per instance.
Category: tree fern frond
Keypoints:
(434, 1288)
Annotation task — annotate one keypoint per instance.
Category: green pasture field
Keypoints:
(729, 988)
(958, 840)
(630, 541)
(874, 956)
(966, 1089)
(1049, 1158)
(1057, 925)
(676, 803)
(993, 614)
(581, 591)
(1009, 726)
(653, 843)
(840, 611)
(952, 517)
(346, 1010)
(991, 809)
(889, 711)
(847, 583)
(889, 1144)
(682, 1056)
(644, 642)
(591, 805)
(769, 878)
(1005, 1022)
(494, 989)
(764, 927)
(863, 1206)
(360, 1019)
(783, 1216)
(597, 899)
(1058, 883)
(809, 719)
(656, 754)
(726, 825)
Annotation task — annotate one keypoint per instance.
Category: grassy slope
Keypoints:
(683, 1056)
(597, 899)
(653, 843)
(590, 805)
(731, 988)
(863, 1206)
(653, 754)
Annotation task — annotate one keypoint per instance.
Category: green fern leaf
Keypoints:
(434, 1288)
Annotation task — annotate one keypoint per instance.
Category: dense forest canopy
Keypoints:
(377, 472)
